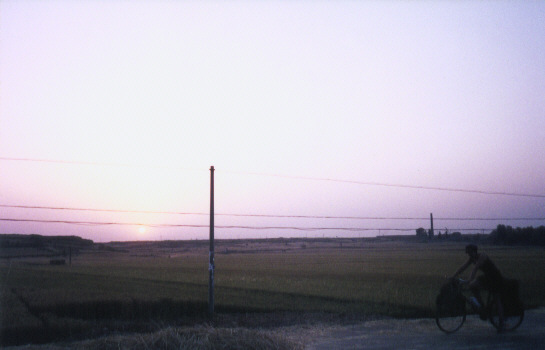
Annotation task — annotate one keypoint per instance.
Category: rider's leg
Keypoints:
(475, 288)
(499, 305)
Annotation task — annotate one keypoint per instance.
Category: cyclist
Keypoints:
(491, 279)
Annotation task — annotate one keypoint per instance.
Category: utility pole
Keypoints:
(431, 230)
(211, 253)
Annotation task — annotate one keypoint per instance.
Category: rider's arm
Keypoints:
(462, 268)
(478, 264)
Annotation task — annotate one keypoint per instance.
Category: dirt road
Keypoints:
(424, 334)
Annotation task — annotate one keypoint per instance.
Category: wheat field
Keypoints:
(147, 287)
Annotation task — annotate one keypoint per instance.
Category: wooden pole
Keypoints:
(431, 230)
(211, 253)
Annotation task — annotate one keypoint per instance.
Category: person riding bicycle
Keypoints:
(491, 279)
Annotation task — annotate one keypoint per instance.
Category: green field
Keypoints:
(142, 286)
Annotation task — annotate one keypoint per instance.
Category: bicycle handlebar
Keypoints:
(458, 281)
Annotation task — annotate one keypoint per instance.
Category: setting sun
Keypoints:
(142, 230)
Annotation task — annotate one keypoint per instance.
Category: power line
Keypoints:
(109, 164)
(96, 223)
(294, 228)
(99, 210)
(367, 183)
(270, 215)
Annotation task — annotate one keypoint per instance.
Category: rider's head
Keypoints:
(471, 249)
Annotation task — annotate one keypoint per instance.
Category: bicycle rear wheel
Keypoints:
(450, 316)
(512, 317)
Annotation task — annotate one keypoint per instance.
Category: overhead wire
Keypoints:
(273, 215)
(259, 215)
(370, 183)
(296, 228)
(367, 183)
(107, 164)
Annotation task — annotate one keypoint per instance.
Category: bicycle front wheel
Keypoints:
(450, 316)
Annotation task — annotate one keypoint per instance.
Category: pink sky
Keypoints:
(141, 98)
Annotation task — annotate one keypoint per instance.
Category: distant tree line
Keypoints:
(39, 241)
(424, 235)
(521, 235)
(502, 235)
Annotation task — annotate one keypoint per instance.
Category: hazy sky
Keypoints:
(139, 98)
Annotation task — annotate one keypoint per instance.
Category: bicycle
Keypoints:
(452, 311)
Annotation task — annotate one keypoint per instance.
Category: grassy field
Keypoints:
(150, 286)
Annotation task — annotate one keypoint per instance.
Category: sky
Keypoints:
(389, 110)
